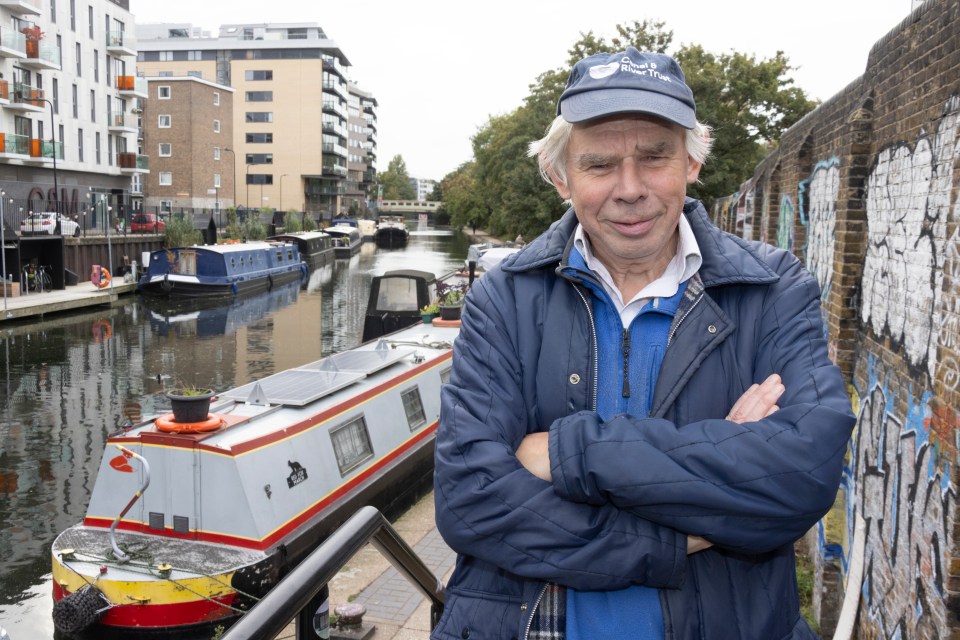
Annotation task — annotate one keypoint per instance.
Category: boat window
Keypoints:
(289, 254)
(397, 294)
(279, 256)
(413, 407)
(351, 444)
(233, 263)
(241, 262)
(445, 376)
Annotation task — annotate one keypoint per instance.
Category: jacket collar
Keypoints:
(726, 258)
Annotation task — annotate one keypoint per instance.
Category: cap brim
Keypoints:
(590, 105)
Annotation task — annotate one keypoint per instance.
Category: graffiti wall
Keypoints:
(878, 223)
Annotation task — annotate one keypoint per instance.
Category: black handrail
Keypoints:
(293, 594)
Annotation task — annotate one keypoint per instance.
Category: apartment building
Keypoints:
(360, 186)
(290, 132)
(69, 91)
(423, 188)
(188, 130)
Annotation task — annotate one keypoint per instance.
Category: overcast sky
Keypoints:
(440, 68)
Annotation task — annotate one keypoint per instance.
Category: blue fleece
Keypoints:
(633, 612)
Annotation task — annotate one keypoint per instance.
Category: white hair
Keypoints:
(551, 149)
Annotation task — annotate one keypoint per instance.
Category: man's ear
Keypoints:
(693, 170)
(560, 186)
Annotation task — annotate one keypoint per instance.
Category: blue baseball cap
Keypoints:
(631, 81)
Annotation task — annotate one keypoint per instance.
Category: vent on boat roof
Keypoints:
(297, 387)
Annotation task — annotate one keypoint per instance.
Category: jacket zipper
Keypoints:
(626, 363)
(536, 603)
(683, 317)
(593, 331)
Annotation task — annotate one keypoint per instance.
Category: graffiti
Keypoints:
(785, 224)
(907, 501)
(744, 209)
(908, 199)
(40, 201)
(820, 206)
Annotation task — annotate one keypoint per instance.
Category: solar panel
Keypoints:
(297, 387)
(363, 361)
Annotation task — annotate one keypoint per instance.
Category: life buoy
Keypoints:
(101, 330)
(104, 279)
(166, 424)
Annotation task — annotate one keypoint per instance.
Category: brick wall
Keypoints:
(865, 191)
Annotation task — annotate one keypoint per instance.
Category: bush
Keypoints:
(291, 222)
(179, 232)
(309, 224)
(254, 229)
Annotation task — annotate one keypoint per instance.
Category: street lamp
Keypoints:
(53, 149)
(233, 174)
(3, 248)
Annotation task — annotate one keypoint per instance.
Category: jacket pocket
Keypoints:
(476, 615)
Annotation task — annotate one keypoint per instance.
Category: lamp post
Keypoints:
(246, 202)
(233, 172)
(53, 150)
(3, 248)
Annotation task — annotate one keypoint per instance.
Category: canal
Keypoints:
(69, 380)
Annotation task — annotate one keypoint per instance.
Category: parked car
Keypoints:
(147, 223)
(45, 223)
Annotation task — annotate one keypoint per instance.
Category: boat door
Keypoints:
(187, 262)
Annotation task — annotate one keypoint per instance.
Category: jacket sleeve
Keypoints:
(748, 487)
(489, 507)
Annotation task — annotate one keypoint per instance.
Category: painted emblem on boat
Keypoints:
(120, 463)
(297, 474)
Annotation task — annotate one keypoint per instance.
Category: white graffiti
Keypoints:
(908, 201)
(823, 187)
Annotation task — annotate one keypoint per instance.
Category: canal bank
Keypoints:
(70, 298)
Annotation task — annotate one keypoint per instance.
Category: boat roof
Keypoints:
(232, 247)
(341, 228)
(410, 273)
(301, 235)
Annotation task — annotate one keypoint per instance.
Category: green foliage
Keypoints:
(179, 232)
(254, 228)
(805, 581)
(309, 224)
(291, 222)
(233, 230)
(747, 102)
(396, 181)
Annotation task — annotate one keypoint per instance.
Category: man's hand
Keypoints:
(757, 402)
(534, 454)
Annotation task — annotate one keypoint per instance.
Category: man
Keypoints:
(642, 417)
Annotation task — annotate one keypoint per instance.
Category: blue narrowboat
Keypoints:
(222, 270)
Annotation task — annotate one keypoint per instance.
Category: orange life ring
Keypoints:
(166, 424)
(104, 279)
(102, 330)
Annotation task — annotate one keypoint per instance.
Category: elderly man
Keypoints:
(642, 417)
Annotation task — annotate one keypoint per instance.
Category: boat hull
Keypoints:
(173, 285)
(391, 238)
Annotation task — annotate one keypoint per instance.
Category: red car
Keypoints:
(147, 223)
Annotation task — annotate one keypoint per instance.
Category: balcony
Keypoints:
(44, 150)
(335, 86)
(22, 7)
(335, 149)
(131, 163)
(123, 123)
(13, 145)
(4, 92)
(335, 128)
(120, 44)
(41, 55)
(133, 86)
(13, 44)
(26, 98)
(336, 170)
(335, 107)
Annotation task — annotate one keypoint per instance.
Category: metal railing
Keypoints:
(294, 596)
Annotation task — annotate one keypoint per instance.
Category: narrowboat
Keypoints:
(392, 232)
(222, 269)
(346, 240)
(396, 298)
(368, 229)
(190, 523)
(316, 247)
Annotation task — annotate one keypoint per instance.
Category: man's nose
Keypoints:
(631, 183)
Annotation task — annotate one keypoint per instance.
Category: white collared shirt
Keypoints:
(681, 268)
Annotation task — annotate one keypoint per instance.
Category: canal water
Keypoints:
(69, 380)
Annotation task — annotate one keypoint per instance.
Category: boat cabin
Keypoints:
(395, 301)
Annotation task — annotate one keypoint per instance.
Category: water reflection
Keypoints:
(69, 380)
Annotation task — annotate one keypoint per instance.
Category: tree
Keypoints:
(396, 181)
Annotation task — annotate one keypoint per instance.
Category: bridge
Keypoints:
(409, 206)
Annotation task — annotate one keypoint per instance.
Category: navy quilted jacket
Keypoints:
(626, 492)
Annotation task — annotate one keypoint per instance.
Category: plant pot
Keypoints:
(427, 317)
(450, 312)
(190, 407)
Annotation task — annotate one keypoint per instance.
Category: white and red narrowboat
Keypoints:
(189, 523)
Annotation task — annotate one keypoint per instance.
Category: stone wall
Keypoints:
(864, 191)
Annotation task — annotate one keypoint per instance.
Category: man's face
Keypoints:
(627, 177)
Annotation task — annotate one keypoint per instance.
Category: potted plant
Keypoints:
(450, 300)
(429, 312)
(190, 403)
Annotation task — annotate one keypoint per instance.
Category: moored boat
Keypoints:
(368, 229)
(316, 247)
(222, 269)
(346, 240)
(189, 525)
(391, 232)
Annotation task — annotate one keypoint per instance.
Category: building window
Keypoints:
(194, 55)
(413, 407)
(79, 62)
(351, 444)
(166, 150)
(256, 138)
(259, 158)
(96, 64)
(259, 96)
(216, 153)
(216, 126)
(259, 178)
(53, 10)
(216, 181)
(93, 105)
(216, 98)
(259, 116)
(166, 56)
(166, 178)
(97, 146)
(166, 206)
(76, 102)
(56, 95)
(80, 145)
(256, 75)
(163, 121)
(163, 92)
(90, 20)
(73, 15)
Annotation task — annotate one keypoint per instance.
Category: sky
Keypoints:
(440, 69)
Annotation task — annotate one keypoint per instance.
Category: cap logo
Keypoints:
(627, 65)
